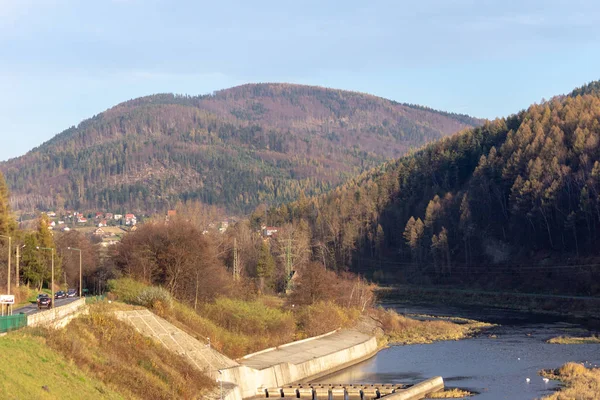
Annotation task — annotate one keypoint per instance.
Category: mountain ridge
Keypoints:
(269, 142)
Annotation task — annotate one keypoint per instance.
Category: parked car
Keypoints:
(43, 300)
(60, 294)
(71, 293)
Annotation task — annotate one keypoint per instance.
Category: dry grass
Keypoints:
(398, 329)
(450, 394)
(126, 361)
(575, 340)
(581, 383)
(324, 317)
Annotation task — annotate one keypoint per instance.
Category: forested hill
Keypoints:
(257, 143)
(512, 204)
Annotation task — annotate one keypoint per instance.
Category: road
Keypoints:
(32, 308)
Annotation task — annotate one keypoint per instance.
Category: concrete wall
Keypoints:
(249, 379)
(420, 390)
(57, 317)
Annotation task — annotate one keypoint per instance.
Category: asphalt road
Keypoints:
(32, 308)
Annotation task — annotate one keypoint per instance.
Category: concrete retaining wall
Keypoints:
(419, 391)
(249, 379)
(57, 317)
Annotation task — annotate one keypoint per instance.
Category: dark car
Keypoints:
(60, 294)
(43, 300)
(71, 293)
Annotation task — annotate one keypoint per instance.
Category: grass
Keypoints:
(450, 394)
(575, 340)
(29, 369)
(123, 359)
(398, 329)
(581, 383)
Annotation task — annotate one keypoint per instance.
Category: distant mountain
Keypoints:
(235, 148)
(513, 204)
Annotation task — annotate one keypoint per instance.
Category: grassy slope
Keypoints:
(27, 365)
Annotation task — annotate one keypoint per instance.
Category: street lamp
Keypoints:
(52, 281)
(9, 248)
(79, 250)
(18, 277)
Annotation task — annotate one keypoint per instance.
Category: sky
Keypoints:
(62, 61)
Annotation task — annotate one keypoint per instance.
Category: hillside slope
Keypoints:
(513, 204)
(234, 148)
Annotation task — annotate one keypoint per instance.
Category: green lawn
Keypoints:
(31, 370)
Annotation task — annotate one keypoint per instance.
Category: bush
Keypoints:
(251, 318)
(126, 290)
(324, 317)
(155, 297)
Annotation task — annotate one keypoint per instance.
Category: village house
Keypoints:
(130, 219)
(269, 231)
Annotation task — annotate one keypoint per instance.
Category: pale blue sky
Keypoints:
(62, 61)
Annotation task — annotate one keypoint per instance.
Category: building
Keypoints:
(269, 231)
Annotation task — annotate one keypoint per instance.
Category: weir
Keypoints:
(356, 391)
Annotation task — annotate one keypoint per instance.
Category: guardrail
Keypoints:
(12, 322)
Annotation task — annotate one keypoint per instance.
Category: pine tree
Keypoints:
(7, 222)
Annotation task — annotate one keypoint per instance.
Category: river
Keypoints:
(494, 364)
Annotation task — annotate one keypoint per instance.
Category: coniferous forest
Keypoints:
(514, 204)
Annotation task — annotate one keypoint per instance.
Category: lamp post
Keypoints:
(18, 277)
(9, 248)
(80, 275)
(52, 279)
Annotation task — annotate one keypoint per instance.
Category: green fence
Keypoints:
(12, 322)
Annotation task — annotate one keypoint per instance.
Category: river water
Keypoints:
(494, 364)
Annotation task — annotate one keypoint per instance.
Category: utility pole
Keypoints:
(52, 272)
(80, 269)
(288, 258)
(288, 264)
(236, 272)
(17, 266)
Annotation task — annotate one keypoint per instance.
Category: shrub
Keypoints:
(126, 290)
(251, 318)
(324, 317)
(155, 297)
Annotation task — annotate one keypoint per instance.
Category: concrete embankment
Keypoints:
(273, 368)
(59, 316)
(418, 391)
(299, 361)
(249, 376)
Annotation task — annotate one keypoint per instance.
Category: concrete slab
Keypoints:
(307, 350)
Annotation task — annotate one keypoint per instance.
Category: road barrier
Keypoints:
(12, 322)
